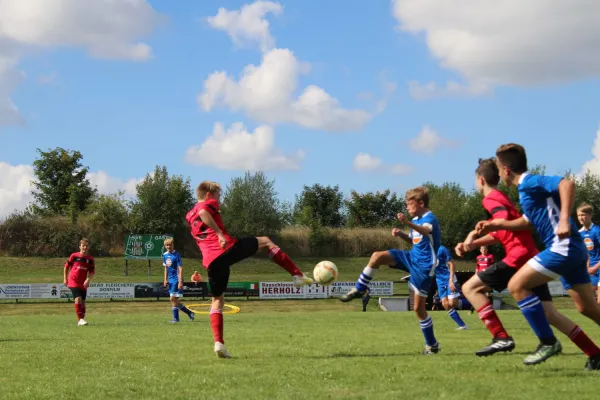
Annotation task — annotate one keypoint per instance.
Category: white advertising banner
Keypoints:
(377, 288)
(14, 291)
(111, 291)
(286, 290)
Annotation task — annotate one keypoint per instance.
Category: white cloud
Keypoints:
(108, 184)
(593, 165)
(108, 29)
(247, 24)
(428, 141)
(238, 149)
(510, 42)
(266, 93)
(452, 89)
(364, 162)
(16, 187)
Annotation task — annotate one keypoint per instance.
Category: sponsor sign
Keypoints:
(378, 288)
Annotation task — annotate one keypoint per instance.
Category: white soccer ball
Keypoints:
(325, 273)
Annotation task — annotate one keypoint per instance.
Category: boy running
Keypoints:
(174, 280)
(519, 248)
(546, 202)
(220, 251)
(79, 270)
(420, 262)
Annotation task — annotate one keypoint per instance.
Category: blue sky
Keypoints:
(144, 91)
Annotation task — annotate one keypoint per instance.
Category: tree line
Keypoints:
(322, 221)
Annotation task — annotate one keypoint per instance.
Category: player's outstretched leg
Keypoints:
(520, 287)
(179, 306)
(574, 333)
(364, 280)
(450, 304)
(474, 289)
(284, 261)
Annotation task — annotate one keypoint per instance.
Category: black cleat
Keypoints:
(593, 363)
(496, 346)
(353, 294)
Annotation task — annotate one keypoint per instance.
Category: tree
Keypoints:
(109, 215)
(162, 203)
(371, 209)
(320, 203)
(587, 189)
(250, 206)
(62, 184)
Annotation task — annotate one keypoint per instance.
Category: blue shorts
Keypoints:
(444, 289)
(174, 290)
(594, 279)
(571, 269)
(419, 280)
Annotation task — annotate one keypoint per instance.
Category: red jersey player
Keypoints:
(520, 248)
(79, 270)
(484, 260)
(220, 251)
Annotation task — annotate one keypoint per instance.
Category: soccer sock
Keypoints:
(427, 328)
(489, 317)
(464, 304)
(216, 323)
(454, 315)
(532, 310)
(183, 308)
(78, 311)
(175, 313)
(82, 310)
(284, 261)
(581, 340)
(364, 280)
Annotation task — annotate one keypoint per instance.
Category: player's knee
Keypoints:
(445, 303)
(265, 242)
(378, 257)
(514, 287)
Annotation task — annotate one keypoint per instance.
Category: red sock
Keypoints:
(83, 311)
(216, 323)
(282, 259)
(578, 336)
(78, 311)
(489, 317)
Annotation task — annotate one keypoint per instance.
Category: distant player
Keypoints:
(591, 237)
(78, 272)
(484, 259)
(220, 251)
(520, 248)
(420, 262)
(174, 279)
(445, 278)
(546, 202)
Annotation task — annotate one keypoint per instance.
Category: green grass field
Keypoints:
(312, 349)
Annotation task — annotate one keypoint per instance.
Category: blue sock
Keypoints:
(175, 313)
(454, 315)
(365, 279)
(427, 328)
(186, 310)
(464, 304)
(532, 310)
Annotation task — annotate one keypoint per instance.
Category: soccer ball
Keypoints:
(325, 273)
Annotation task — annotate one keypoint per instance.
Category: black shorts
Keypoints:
(497, 276)
(78, 292)
(219, 268)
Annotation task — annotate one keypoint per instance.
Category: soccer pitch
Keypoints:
(312, 349)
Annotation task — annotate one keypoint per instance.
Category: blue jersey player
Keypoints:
(591, 237)
(446, 282)
(174, 279)
(420, 262)
(546, 202)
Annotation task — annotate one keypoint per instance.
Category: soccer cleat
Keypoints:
(192, 315)
(353, 294)
(174, 321)
(462, 328)
(593, 363)
(82, 322)
(431, 349)
(496, 346)
(221, 351)
(542, 353)
(301, 280)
